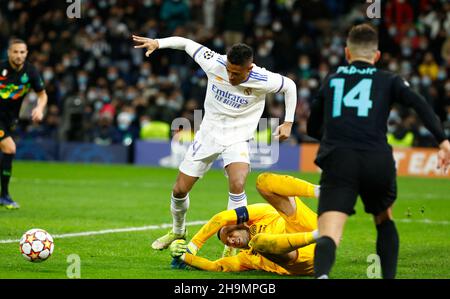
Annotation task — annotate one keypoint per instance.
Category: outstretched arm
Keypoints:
(228, 217)
(212, 227)
(226, 264)
(405, 95)
(174, 42)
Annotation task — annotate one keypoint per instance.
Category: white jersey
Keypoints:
(232, 112)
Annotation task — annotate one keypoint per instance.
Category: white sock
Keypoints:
(317, 191)
(179, 207)
(236, 200)
(315, 234)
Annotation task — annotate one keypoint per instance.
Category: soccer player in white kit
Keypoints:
(234, 103)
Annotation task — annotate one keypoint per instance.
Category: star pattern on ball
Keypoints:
(33, 255)
(30, 238)
(47, 244)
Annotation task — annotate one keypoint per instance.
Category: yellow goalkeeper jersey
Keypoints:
(261, 218)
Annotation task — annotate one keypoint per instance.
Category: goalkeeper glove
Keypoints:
(178, 248)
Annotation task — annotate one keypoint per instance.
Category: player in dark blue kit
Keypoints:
(17, 77)
(349, 117)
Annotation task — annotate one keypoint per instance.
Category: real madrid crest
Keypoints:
(248, 91)
(4, 72)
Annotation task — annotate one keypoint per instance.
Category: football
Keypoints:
(36, 245)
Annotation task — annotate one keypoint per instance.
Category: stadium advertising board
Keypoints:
(409, 161)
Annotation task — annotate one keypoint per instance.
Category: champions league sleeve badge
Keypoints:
(208, 54)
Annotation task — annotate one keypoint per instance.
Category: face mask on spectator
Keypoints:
(426, 81)
(124, 120)
(145, 72)
(296, 18)
(424, 131)
(98, 105)
(279, 97)
(392, 31)
(263, 52)
(415, 81)
(334, 60)
(173, 78)
(406, 51)
(277, 26)
(304, 93)
(130, 96)
(218, 43)
(91, 95)
(112, 76)
(96, 23)
(391, 128)
(82, 79)
(304, 65)
(48, 75)
(442, 75)
(393, 66)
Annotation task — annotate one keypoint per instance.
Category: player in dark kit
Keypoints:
(349, 117)
(17, 77)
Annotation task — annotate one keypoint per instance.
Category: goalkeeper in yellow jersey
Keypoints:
(277, 237)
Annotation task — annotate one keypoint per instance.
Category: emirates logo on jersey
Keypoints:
(248, 91)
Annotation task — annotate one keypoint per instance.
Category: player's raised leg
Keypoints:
(8, 148)
(277, 188)
(279, 244)
(179, 204)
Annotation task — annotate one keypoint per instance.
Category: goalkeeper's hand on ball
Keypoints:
(178, 248)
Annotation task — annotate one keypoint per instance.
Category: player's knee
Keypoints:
(237, 185)
(180, 190)
(262, 182)
(383, 216)
(10, 149)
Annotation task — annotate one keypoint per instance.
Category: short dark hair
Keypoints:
(240, 54)
(14, 40)
(363, 34)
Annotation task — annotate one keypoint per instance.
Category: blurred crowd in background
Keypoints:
(102, 90)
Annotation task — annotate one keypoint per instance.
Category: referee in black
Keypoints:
(17, 77)
(349, 117)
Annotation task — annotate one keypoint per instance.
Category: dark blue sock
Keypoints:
(5, 172)
(387, 248)
(324, 256)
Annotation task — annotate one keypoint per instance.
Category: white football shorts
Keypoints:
(203, 152)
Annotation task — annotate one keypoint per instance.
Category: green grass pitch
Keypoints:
(72, 198)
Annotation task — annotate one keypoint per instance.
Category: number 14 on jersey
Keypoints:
(357, 97)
